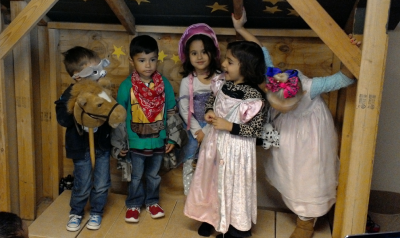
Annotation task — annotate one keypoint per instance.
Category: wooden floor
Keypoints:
(52, 222)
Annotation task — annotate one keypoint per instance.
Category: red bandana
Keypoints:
(151, 100)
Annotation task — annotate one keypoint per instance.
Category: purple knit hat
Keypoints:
(195, 29)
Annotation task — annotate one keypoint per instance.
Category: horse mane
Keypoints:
(85, 85)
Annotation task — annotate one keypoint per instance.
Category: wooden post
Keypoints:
(5, 203)
(55, 145)
(366, 118)
(25, 129)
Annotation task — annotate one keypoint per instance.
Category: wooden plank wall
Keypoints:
(289, 49)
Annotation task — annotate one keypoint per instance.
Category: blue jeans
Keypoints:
(89, 183)
(147, 166)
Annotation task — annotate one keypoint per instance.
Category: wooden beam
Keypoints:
(237, 8)
(23, 23)
(366, 117)
(55, 145)
(177, 30)
(124, 15)
(329, 32)
(24, 111)
(5, 203)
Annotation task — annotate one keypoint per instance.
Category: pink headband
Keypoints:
(195, 29)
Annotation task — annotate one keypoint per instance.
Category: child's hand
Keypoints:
(209, 116)
(222, 124)
(199, 136)
(239, 23)
(123, 153)
(344, 69)
(169, 147)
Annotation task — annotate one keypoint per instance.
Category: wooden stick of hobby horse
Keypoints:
(91, 146)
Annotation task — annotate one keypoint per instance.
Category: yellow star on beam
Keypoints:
(118, 51)
(175, 58)
(217, 7)
(139, 1)
(273, 1)
(272, 9)
(293, 12)
(161, 56)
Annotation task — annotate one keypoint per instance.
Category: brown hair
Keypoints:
(76, 58)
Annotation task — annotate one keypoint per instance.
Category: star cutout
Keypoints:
(118, 51)
(293, 12)
(274, 1)
(217, 7)
(175, 58)
(139, 1)
(272, 9)
(161, 56)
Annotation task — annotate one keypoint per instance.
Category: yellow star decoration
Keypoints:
(139, 1)
(175, 58)
(274, 1)
(293, 12)
(161, 56)
(272, 9)
(118, 51)
(217, 7)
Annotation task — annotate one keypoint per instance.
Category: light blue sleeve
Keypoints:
(267, 57)
(328, 84)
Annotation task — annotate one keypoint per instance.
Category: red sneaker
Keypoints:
(155, 211)
(132, 214)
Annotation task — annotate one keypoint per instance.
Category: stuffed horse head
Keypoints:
(92, 104)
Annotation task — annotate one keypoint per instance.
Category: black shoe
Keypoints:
(205, 229)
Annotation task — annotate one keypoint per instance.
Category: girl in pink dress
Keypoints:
(223, 190)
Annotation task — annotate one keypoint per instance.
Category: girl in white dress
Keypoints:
(223, 190)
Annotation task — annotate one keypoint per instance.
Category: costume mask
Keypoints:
(93, 72)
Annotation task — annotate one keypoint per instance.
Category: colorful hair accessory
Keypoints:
(290, 87)
(195, 29)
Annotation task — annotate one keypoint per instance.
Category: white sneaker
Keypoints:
(94, 222)
(74, 222)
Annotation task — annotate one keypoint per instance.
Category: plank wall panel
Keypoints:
(25, 117)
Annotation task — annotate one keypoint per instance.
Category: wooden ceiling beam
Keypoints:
(124, 15)
(23, 23)
(329, 32)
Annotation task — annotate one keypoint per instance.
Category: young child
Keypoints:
(11, 225)
(148, 97)
(199, 53)
(82, 63)
(223, 191)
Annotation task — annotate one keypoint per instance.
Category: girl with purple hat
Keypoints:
(199, 54)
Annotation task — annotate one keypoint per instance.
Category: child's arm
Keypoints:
(119, 141)
(209, 109)
(170, 105)
(239, 27)
(64, 118)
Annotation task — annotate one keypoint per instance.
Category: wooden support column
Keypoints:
(25, 129)
(5, 203)
(329, 32)
(55, 155)
(23, 23)
(47, 109)
(366, 118)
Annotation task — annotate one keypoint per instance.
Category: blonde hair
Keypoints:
(278, 97)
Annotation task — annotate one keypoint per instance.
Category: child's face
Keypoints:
(231, 66)
(145, 64)
(198, 56)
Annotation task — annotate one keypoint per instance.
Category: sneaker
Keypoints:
(132, 214)
(94, 222)
(74, 222)
(155, 211)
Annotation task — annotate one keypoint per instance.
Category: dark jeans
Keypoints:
(147, 166)
(91, 184)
